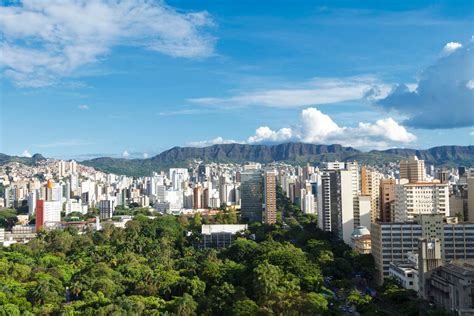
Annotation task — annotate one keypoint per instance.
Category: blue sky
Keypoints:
(91, 78)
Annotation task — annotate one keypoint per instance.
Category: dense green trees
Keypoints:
(152, 267)
(8, 218)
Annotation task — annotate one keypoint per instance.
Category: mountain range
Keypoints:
(296, 153)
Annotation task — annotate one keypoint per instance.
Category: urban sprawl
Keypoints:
(416, 220)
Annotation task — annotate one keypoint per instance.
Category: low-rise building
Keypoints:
(361, 240)
(406, 271)
(452, 287)
(219, 236)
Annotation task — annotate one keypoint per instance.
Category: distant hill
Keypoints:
(288, 152)
(4, 159)
(297, 153)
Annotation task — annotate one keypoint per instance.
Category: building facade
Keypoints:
(392, 241)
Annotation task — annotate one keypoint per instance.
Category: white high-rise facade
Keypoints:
(420, 198)
(178, 176)
(337, 203)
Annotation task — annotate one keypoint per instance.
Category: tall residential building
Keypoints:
(251, 189)
(308, 203)
(387, 199)
(370, 186)
(413, 169)
(270, 207)
(392, 241)
(32, 202)
(365, 210)
(62, 168)
(106, 208)
(197, 197)
(178, 176)
(47, 213)
(73, 167)
(420, 198)
(337, 203)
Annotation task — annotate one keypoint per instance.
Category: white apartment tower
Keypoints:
(420, 198)
(337, 203)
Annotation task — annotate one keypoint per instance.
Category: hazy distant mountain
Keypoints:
(287, 152)
(4, 159)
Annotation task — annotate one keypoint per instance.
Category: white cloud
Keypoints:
(25, 153)
(83, 107)
(470, 84)
(215, 141)
(471, 133)
(43, 41)
(264, 133)
(444, 95)
(319, 128)
(313, 92)
(125, 154)
(145, 155)
(451, 47)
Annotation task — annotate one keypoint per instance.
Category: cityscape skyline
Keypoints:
(209, 73)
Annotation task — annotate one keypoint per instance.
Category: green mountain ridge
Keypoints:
(295, 153)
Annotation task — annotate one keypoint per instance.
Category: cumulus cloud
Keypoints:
(43, 41)
(215, 141)
(25, 153)
(313, 92)
(451, 47)
(83, 107)
(264, 133)
(125, 154)
(319, 128)
(145, 155)
(444, 95)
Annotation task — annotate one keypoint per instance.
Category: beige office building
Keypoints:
(413, 169)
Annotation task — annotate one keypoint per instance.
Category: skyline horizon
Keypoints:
(148, 155)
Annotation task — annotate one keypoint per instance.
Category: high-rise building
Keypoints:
(47, 213)
(420, 198)
(308, 203)
(269, 196)
(413, 169)
(365, 210)
(370, 186)
(337, 203)
(73, 167)
(32, 202)
(442, 175)
(387, 199)
(178, 176)
(61, 168)
(106, 208)
(197, 197)
(251, 189)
